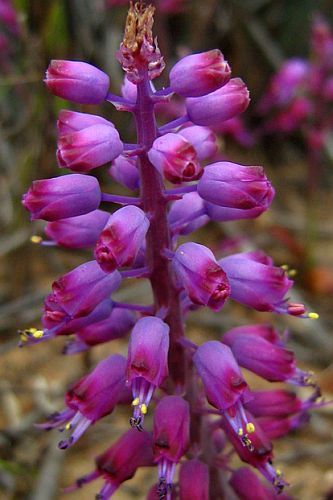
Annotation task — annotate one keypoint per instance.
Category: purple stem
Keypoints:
(181, 190)
(120, 200)
(140, 272)
(134, 307)
(154, 203)
(173, 124)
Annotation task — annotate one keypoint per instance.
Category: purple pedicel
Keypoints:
(122, 238)
(62, 197)
(194, 481)
(147, 363)
(77, 81)
(223, 104)
(199, 74)
(202, 139)
(171, 438)
(119, 462)
(204, 280)
(175, 157)
(90, 399)
(78, 232)
(125, 171)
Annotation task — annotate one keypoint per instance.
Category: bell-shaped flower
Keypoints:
(194, 480)
(62, 197)
(119, 463)
(224, 386)
(91, 398)
(171, 436)
(77, 81)
(203, 279)
(82, 231)
(125, 171)
(236, 186)
(257, 283)
(115, 326)
(279, 427)
(89, 147)
(267, 358)
(175, 158)
(147, 363)
(223, 104)
(187, 214)
(122, 238)
(202, 139)
(199, 74)
(274, 403)
(247, 486)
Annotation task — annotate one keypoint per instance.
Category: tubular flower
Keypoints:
(194, 480)
(91, 398)
(204, 280)
(147, 364)
(170, 438)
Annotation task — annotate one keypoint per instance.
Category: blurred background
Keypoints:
(256, 37)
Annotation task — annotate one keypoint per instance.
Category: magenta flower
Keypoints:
(274, 403)
(175, 158)
(82, 231)
(147, 363)
(202, 139)
(89, 147)
(62, 197)
(77, 81)
(235, 186)
(223, 104)
(248, 486)
(199, 74)
(119, 462)
(122, 238)
(125, 171)
(170, 437)
(91, 398)
(204, 280)
(194, 480)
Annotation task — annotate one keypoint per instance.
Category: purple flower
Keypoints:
(122, 238)
(125, 171)
(170, 437)
(175, 158)
(115, 326)
(194, 480)
(204, 280)
(119, 462)
(89, 147)
(199, 74)
(62, 197)
(188, 214)
(147, 363)
(247, 486)
(77, 81)
(82, 231)
(91, 398)
(223, 104)
(72, 121)
(256, 283)
(274, 403)
(202, 139)
(235, 186)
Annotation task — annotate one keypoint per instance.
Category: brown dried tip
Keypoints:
(139, 26)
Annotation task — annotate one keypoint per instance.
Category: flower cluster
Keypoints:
(200, 397)
(300, 95)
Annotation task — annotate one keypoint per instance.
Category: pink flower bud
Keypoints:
(125, 171)
(89, 147)
(194, 481)
(199, 74)
(198, 272)
(72, 121)
(236, 186)
(188, 214)
(78, 232)
(77, 81)
(147, 364)
(175, 158)
(62, 197)
(202, 139)
(223, 104)
(122, 238)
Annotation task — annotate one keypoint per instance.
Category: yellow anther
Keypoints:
(143, 409)
(240, 432)
(68, 426)
(23, 337)
(36, 239)
(313, 315)
(250, 427)
(285, 267)
(292, 273)
(278, 472)
(37, 334)
(135, 402)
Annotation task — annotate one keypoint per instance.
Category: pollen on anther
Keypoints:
(68, 426)
(36, 239)
(250, 427)
(135, 402)
(240, 432)
(143, 409)
(37, 334)
(313, 315)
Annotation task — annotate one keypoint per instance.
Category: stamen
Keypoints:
(36, 239)
(250, 428)
(313, 315)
